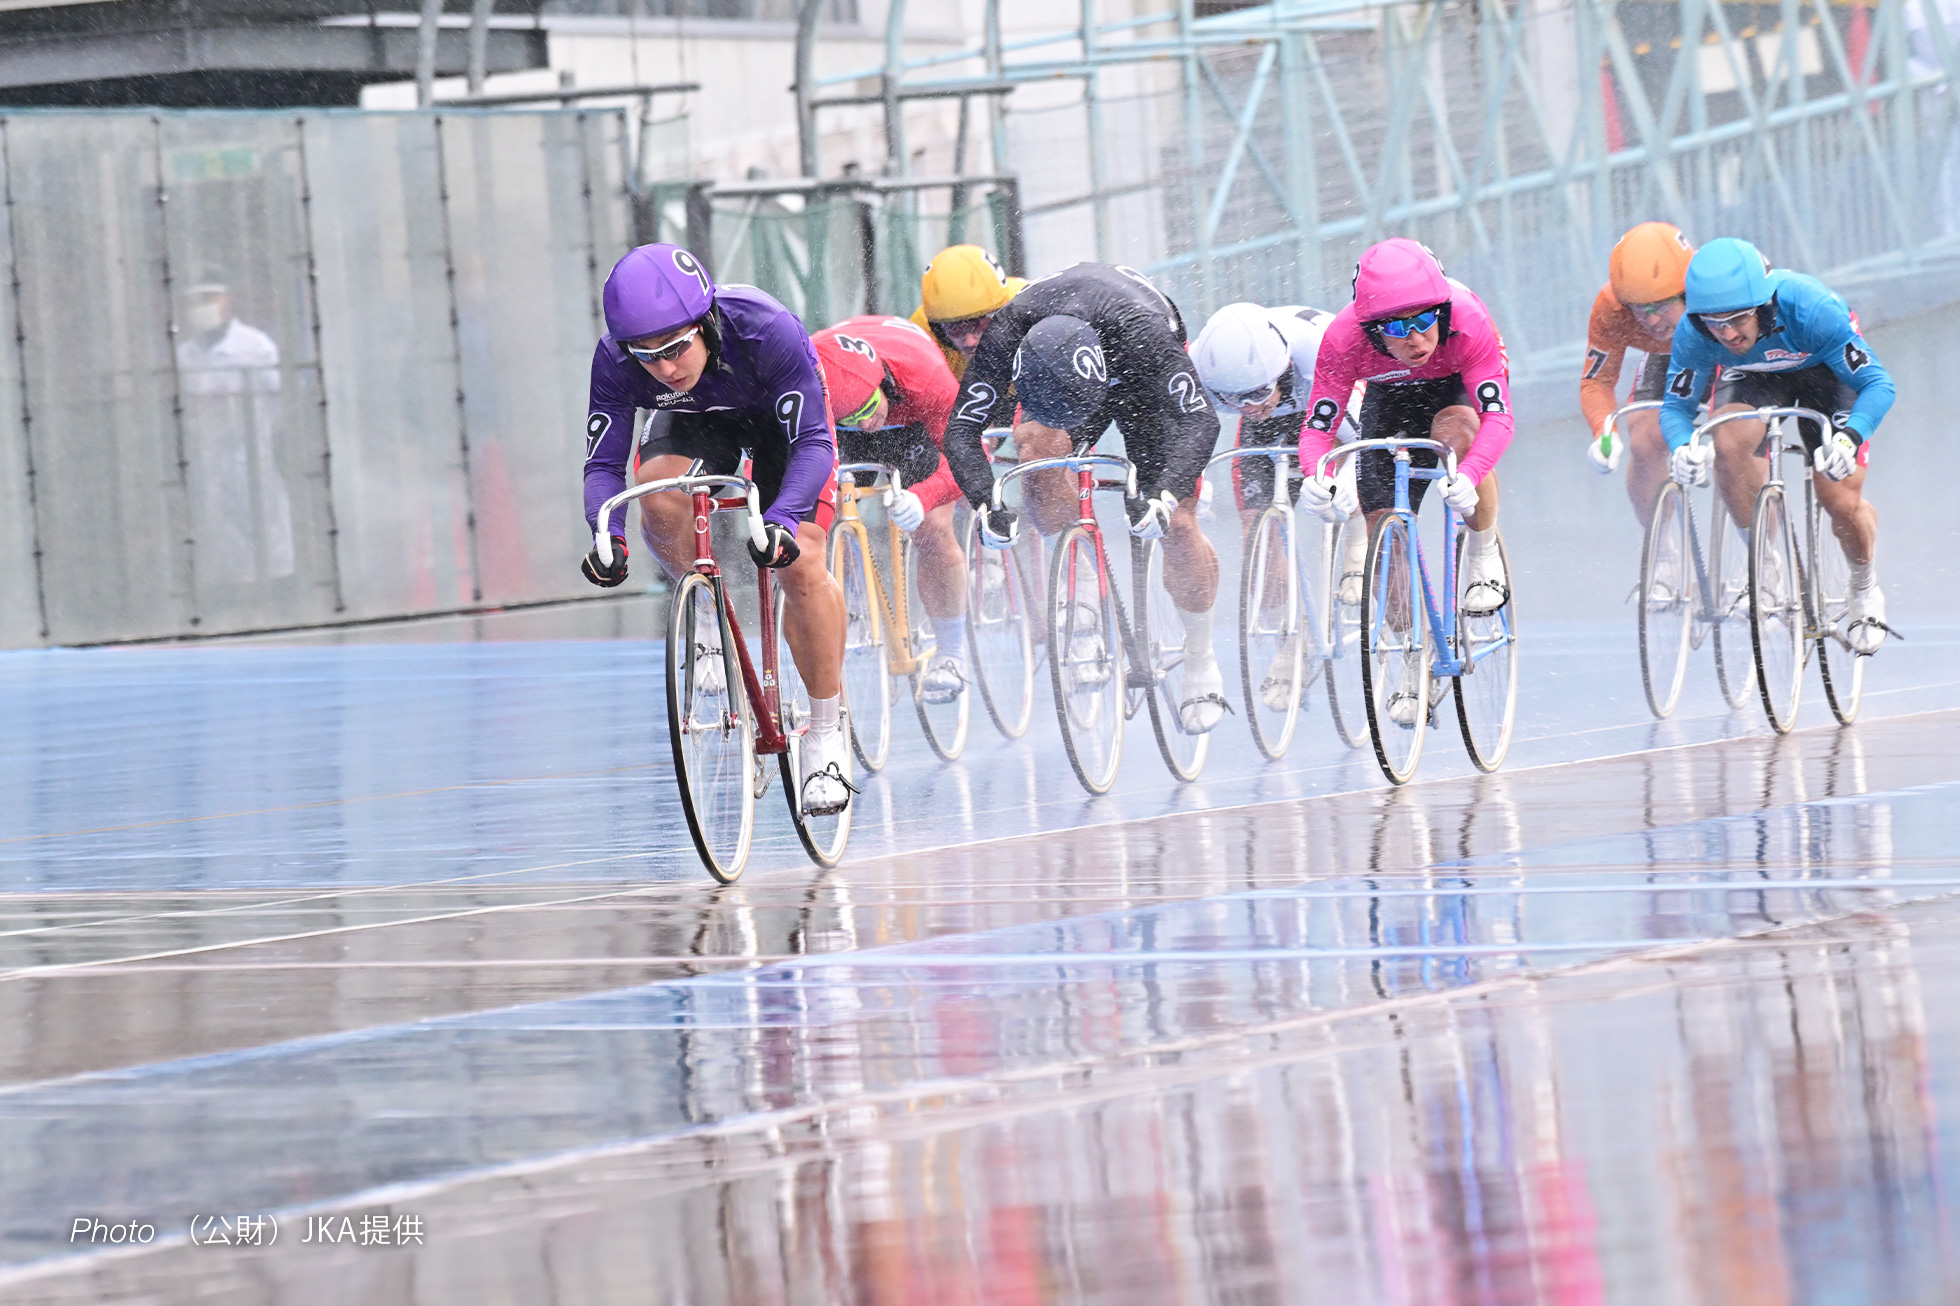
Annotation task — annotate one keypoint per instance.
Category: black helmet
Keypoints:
(1060, 377)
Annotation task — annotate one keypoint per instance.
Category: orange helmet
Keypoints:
(1650, 264)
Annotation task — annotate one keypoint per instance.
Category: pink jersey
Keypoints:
(1473, 351)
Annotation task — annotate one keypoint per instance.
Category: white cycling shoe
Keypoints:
(710, 670)
(1407, 710)
(1277, 690)
(827, 789)
(1088, 656)
(945, 679)
(1204, 703)
(1486, 591)
(1865, 627)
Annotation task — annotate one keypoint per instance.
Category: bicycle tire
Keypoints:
(1000, 633)
(1392, 661)
(1272, 647)
(1666, 601)
(1728, 568)
(867, 670)
(712, 732)
(944, 723)
(1776, 608)
(1085, 659)
(1158, 656)
(1487, 690)
(1842, 670)
(823, 837)
(1347, 696)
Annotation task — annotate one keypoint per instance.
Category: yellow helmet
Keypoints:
(963, 281)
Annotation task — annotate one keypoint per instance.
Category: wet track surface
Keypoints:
(405, 924)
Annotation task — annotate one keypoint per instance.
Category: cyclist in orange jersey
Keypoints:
(1637, 309)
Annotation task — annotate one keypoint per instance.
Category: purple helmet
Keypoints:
(656, 288)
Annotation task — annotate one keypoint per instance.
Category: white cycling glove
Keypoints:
(906, 509)
(1837, 455)
(1322, 496)
(1150, 515)
(1207, 511)
(1605, 451)
(1460, 493)
(1689, 465)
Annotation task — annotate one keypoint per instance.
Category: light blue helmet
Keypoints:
(1727, 276)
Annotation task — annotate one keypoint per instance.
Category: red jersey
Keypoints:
(924, 388)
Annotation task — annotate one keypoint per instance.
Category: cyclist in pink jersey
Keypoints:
(1435, 368)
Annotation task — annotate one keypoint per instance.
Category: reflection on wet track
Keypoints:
(1667, 1016)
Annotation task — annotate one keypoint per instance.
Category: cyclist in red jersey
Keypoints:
(893, 394)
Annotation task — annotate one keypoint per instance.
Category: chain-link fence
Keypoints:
(1517, 140)
(268, 370)
(832, 249)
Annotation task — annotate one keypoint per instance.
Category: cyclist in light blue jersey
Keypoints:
(1779, 338)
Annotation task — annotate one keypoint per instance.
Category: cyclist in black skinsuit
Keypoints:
(1091, 346)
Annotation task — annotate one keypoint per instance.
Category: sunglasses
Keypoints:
(1401, 328)
(1725, 321)
(864, 411)
(1656, 308)
(667, 353)
(1246, 398)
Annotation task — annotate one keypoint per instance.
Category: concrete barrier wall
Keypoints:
(388, 422)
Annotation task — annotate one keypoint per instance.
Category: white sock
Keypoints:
(1481, 543)
(1197, 635)
(826, 713)
(951, 634)
(1866, 576)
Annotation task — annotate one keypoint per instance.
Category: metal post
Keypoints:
(956, 204)
(456, 344)
(808, 153)
(425, 52)
(320, 366)
(183, 483)
(700, 218)
(896, 163)
(479, 43)
(1092, 105)
(26, 399)
(1194, 154)
(996, 108)
(1301, 175)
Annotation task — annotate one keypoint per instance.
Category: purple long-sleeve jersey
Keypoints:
(765, 368)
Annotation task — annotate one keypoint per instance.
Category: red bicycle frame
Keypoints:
(764, 691)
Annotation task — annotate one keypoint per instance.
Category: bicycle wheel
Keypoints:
(1394, 649)
(1776, 615)
(1843, 670)
(867, 675)
(1728, 572)
(1272, 654)
(1666, 601)
(944, 723)
(823, 837)
(712, 728)
(1487, 690)
(1085, 659)
(1347, 696)
(1160, 642)
(1000, 635)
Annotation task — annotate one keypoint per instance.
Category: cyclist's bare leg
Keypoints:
(1456, 426)
(1853, 520)
(813, 615)
(1050, 496)
(942, 567)
(1739, 473)
(1190, 563)
(667, 519)
(1647, 463)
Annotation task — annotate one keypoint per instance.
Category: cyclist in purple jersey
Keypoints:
(724, 372)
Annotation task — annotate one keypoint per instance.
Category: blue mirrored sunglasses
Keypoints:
(1400, 328)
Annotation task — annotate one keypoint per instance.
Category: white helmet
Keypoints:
(1240, 353)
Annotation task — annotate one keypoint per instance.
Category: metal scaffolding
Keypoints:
(1252, 154)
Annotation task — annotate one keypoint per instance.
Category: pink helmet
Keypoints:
(1395, 277)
